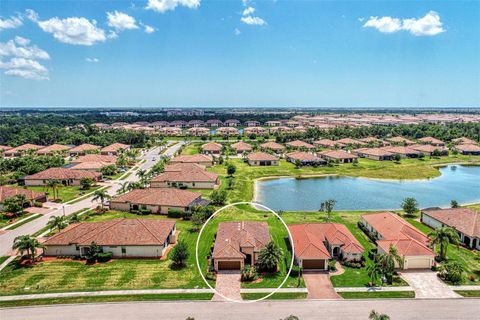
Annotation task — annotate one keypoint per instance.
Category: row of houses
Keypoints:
(58, 149)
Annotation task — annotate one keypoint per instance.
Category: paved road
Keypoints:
(397, 309)
(6, 239)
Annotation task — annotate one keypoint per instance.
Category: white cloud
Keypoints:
(149, 29)
(10, 23)
(166, 5)
(257, 21)
(74, 30)
(112, 35)
(94, 60)
(248, 11)
(22, 59)
(121, 21)
(236, 32)
(22, 41)
(429, 25)
(31, 15)
(19, 48)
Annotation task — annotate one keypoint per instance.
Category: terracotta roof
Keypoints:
(194, 158)
(24, 147)
(115, 147)
(232, 236)
(401, 150)
(348, 141)
(431, 140)
(467, 147)
(52, 148)
(89, 165)
(464, 140)
(370, 139)
(96, 158)
(379, 152)
(272, 145)
(183, 167)
(159, 196)
(328, 143)
(428, 148)
(63, 174)
(212, 146)
(187, 176)
(303, 156)
(84, 147)
(241, 146)
(300, 144)
(406, 247)
(465, 220)
(8, 192)
(261, 156)
(141, 232)
(400, 140)
(338, 154)
(5, 148)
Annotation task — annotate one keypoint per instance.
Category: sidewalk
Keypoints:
(374, 289)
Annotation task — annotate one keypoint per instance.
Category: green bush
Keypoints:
(175, 213)
(249, 273)
(104, 257)
(331, 265)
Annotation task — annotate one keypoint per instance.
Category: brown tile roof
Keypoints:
(406, 247)
(465, 220)
(96, 158)
(84, 147)
(300, 144)
(261, 156)
(115, 147)
(141, 232)
(241, 146)
(63, 174)
(338, 154)
(183, 167)
(431, 140)
(89, 165)
(302, 156)
(400, 140)
(187, 176)
(24, 147)
(348, 141)
(159, 197)
(8, 192)
(4, 148)
(370, 139)
(379, 152)
(427, 148)
(53, 148)
(467, 147)
(328, 143)
(401, 150)
(212, 146)
(232, 236)
(273, 146)
(194, 158)
(464, 140)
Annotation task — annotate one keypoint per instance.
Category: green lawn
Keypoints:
(64, 193)
(27, 219)
(275, 296)
(112, 298)
(5, 221)
(469, 293)
(377, 295)
(3, 258)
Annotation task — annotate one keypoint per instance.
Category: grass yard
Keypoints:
(3, 259)
(5, 221)
(378, 295)
(65, 193)
(469, 293)
(113, 298)
(275, 296)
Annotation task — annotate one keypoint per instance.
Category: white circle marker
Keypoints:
(289, 236)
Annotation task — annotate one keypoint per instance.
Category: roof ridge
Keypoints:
(146, 227)
(108, 227)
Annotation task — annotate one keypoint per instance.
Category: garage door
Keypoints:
(228, 265)
(418, 264)
(313, 264)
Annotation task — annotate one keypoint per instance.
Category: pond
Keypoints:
(461, 183)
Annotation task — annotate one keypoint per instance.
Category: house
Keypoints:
(466, 221)
(372, 141)
(67, 177)
(83, 149)
(92, 162)
(171, 131)
(232, 123)
(404, 152)
(327, 143)
(157, 200)
(273, 123)
(298, 144)
(468, 149)
(428, 149)
(378, 154)
(391, 230)
(114, 149)
(432, 141)
(338, 156)
(252, 123)
(124, 238)
(254, 130)
(195, 123)
(4, 148)
(214, 123)
(400, 141)
(31, 196)
(198, 131)
(316, 243)
(21, 150)
(178, 167)
(241, 147)
(226, 131)
(351, 142)
(305, 158)
(464, 140)
(273, 146)
(54, 149)
(239, 243)
(194, 179)
(262, 159)
(212, 148)
(201, 159)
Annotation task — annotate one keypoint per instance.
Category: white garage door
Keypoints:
(418, 263)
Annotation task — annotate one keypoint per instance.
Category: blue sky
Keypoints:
(240, 53)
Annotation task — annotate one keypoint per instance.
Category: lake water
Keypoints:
(461, 183)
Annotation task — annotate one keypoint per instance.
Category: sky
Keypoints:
(239, 53)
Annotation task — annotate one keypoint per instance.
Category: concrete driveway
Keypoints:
(228, 284)
(319, 285)
(426, 284)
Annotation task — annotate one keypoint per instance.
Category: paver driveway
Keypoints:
(228, 284)
(319, 285)
(426, 284)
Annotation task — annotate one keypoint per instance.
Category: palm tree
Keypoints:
(270, 256)
(28, 244)
(327, 207)
(393, 253)
(123, 188)
(374, 315)
(444, 236)
(53, 184)
(373, 272)
(58, 222)
(101, 195)
(22, 199)
(143, 176)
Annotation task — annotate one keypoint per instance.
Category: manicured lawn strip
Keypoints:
(64, 193)
(4, 221)
(113, 298)
(275, 296)
(375, 295)
(3, 259)
(87, 195)
(469, 293)
(30, 218)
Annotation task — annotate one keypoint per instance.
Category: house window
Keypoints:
(193, 184)
(77, 248)
(124, 250)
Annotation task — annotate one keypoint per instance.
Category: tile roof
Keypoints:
(401, 150)
(115, 147)
(53, 148)
(351, 141)
(464, 140)
(338, 154)
(300, 144)
(212, 146)
(5, 148)
(194, 158)
(183, 167)
(272, 145)
(84, 147)
(96, 158)
(241, 146)
(187, 176)
(431, 140)
(141, 232)
(400, 140)
(379, 152)
(261, 156)
(467, 147)
(303, 156)
(328, 143)
(159, 197)
(8, 192)
(24, 147)
(465, 220)
(370, 139)
(232, 236)
(63, 174)
(406, 247)
(428, 148)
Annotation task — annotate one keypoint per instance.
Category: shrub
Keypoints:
(180, 254)
(174, 213)
(372, 253)
(452, 272)
(249, 273)
(332, 265)
(104, 257)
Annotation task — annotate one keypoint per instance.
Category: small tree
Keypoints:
(12, 205)
(374, 315)
(444, 236)
(92, 252)
(109, 170)
(327, 207)
(298, 164)
(53, 184)
(410, 206)
(28, 244)
(397, 157)
(454, 204)
(230, 182)
(86, 183)
(270, 256)
(101, 195)
(180, 254)
(373, 272)
(231, 169)
(219, 197)
(57, 222)
(452, 272)
(198, 218)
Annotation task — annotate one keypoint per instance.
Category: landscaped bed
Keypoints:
(381, 295)
(275, 296)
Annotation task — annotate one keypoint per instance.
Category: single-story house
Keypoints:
(463, 140)
(400, 141)
(254, 130)
(252, 123)
(241, 147)
(412, 245)
(53, 149)
(429, 149)
(21, 150)
(226, 131)
(4, 148)
(83, 149)
(378, 154)
(67, 177)
(201, 159)
(171, 131)
(195, 179)
(92, 162)
(338, 155)
(179, 167)
(239, 243)
(327, 143)
(232, 123)
(316, 243)
(275, 147)
(433, 141)
(298, 144)
(157, 200)
(404, 152)
(31, 196)
(262, 159)
(198, 131)
(466, 221)
(305, 158)
(214, 123)
(212, 148)
(351, 142)
(124, 238)
(468, 149)
(372, 140)
(114, 149)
